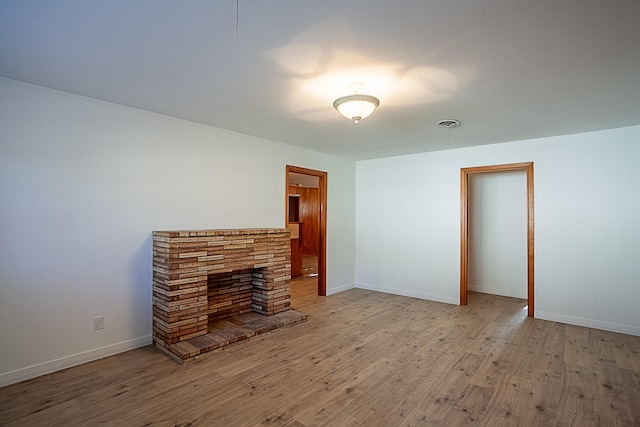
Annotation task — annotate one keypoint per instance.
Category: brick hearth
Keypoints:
(225, 276)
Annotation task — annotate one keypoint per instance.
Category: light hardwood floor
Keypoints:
(362, 359)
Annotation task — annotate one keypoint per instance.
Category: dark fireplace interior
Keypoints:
(231, 294)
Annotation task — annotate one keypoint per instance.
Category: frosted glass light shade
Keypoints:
(356, 107)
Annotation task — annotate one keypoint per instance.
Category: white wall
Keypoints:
(498, 233)
(83, 183)
(587, 234)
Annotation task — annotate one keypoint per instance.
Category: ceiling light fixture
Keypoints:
(357, 106)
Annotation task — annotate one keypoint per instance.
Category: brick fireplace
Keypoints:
(214, 287)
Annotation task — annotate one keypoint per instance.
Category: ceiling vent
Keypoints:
(449, 123)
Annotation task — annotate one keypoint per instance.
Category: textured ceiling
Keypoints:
(508, 69)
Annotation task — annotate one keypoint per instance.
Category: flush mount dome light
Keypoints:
(357, 106)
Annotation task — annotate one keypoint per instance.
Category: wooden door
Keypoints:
(317, 209)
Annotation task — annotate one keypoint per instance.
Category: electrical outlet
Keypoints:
(98, 323)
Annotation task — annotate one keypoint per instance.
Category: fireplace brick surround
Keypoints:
(254, 269)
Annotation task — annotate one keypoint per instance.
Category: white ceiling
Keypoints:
(508, 69)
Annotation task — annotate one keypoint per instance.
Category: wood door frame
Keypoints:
(464, 226)
(322, 244)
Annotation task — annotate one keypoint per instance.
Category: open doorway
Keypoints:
(305, 216)
(464, 226)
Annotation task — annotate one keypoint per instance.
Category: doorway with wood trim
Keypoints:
(309, 237)
(464, 226)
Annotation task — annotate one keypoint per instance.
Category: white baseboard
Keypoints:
(29, 372)
(406, 293)
(338, 289)
(502, 292)
(589, 323)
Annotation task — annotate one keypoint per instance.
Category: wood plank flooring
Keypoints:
(362, 359)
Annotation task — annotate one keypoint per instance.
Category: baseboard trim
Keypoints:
(406, 293)
(337, 289)
(501, 292)
(44, 368)
(589, 323)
